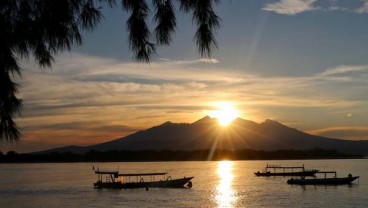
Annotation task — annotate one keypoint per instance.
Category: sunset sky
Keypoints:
(303, 63)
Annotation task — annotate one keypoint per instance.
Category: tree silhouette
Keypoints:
(44, 28)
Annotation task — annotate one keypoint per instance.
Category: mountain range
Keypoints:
(206, 133)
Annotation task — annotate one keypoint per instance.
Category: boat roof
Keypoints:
(284, 167)
(326, 172)
(141, 174)
(106, 172)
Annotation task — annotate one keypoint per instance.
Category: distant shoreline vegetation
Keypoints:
(168, 155)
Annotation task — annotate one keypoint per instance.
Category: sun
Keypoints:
(225, 113)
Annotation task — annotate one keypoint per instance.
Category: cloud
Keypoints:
(290, 7)
(28, 146)
(345, 69)
(363, 9)
(293, 7)
(164, 59)
(86, 100)
(335, 5)
(209, 60)
(344, 132)
(105, 82)
(336, 8)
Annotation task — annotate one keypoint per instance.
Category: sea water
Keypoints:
(215, 184)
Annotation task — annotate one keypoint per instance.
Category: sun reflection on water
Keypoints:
(226, 196)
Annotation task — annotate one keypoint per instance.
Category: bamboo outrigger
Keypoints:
(116, 180)
(334, 180)
(286, 171)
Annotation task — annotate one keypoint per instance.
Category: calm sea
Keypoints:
(216, 184)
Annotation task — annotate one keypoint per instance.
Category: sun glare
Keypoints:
(225, 113)
(226, 195)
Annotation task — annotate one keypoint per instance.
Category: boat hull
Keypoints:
(300, 173)
(323, 181)
(174, 183)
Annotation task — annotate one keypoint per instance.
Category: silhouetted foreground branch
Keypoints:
(42, 29)
(165, 155)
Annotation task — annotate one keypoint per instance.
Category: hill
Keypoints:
(207, 134)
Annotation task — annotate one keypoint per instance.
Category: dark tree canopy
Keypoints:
(44, 28)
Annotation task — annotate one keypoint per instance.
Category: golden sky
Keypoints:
(302, 63)
(87, 100)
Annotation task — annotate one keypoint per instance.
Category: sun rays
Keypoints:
(225, 113)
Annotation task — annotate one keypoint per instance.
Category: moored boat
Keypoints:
(334, 180)
(113, 179)
(275, 170)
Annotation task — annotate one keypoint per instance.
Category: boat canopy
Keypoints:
(106, 172)
(284, 167)
(141, 174)
(328, 172)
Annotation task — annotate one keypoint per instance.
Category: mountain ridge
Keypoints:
(206, 133)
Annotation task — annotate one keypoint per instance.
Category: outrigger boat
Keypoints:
(116, 180)
(323, 181)
(286, 171)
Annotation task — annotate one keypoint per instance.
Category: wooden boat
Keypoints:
(324, 181)
(113, 179)
(275, 170)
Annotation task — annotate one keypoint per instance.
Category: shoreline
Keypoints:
(172, 156)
